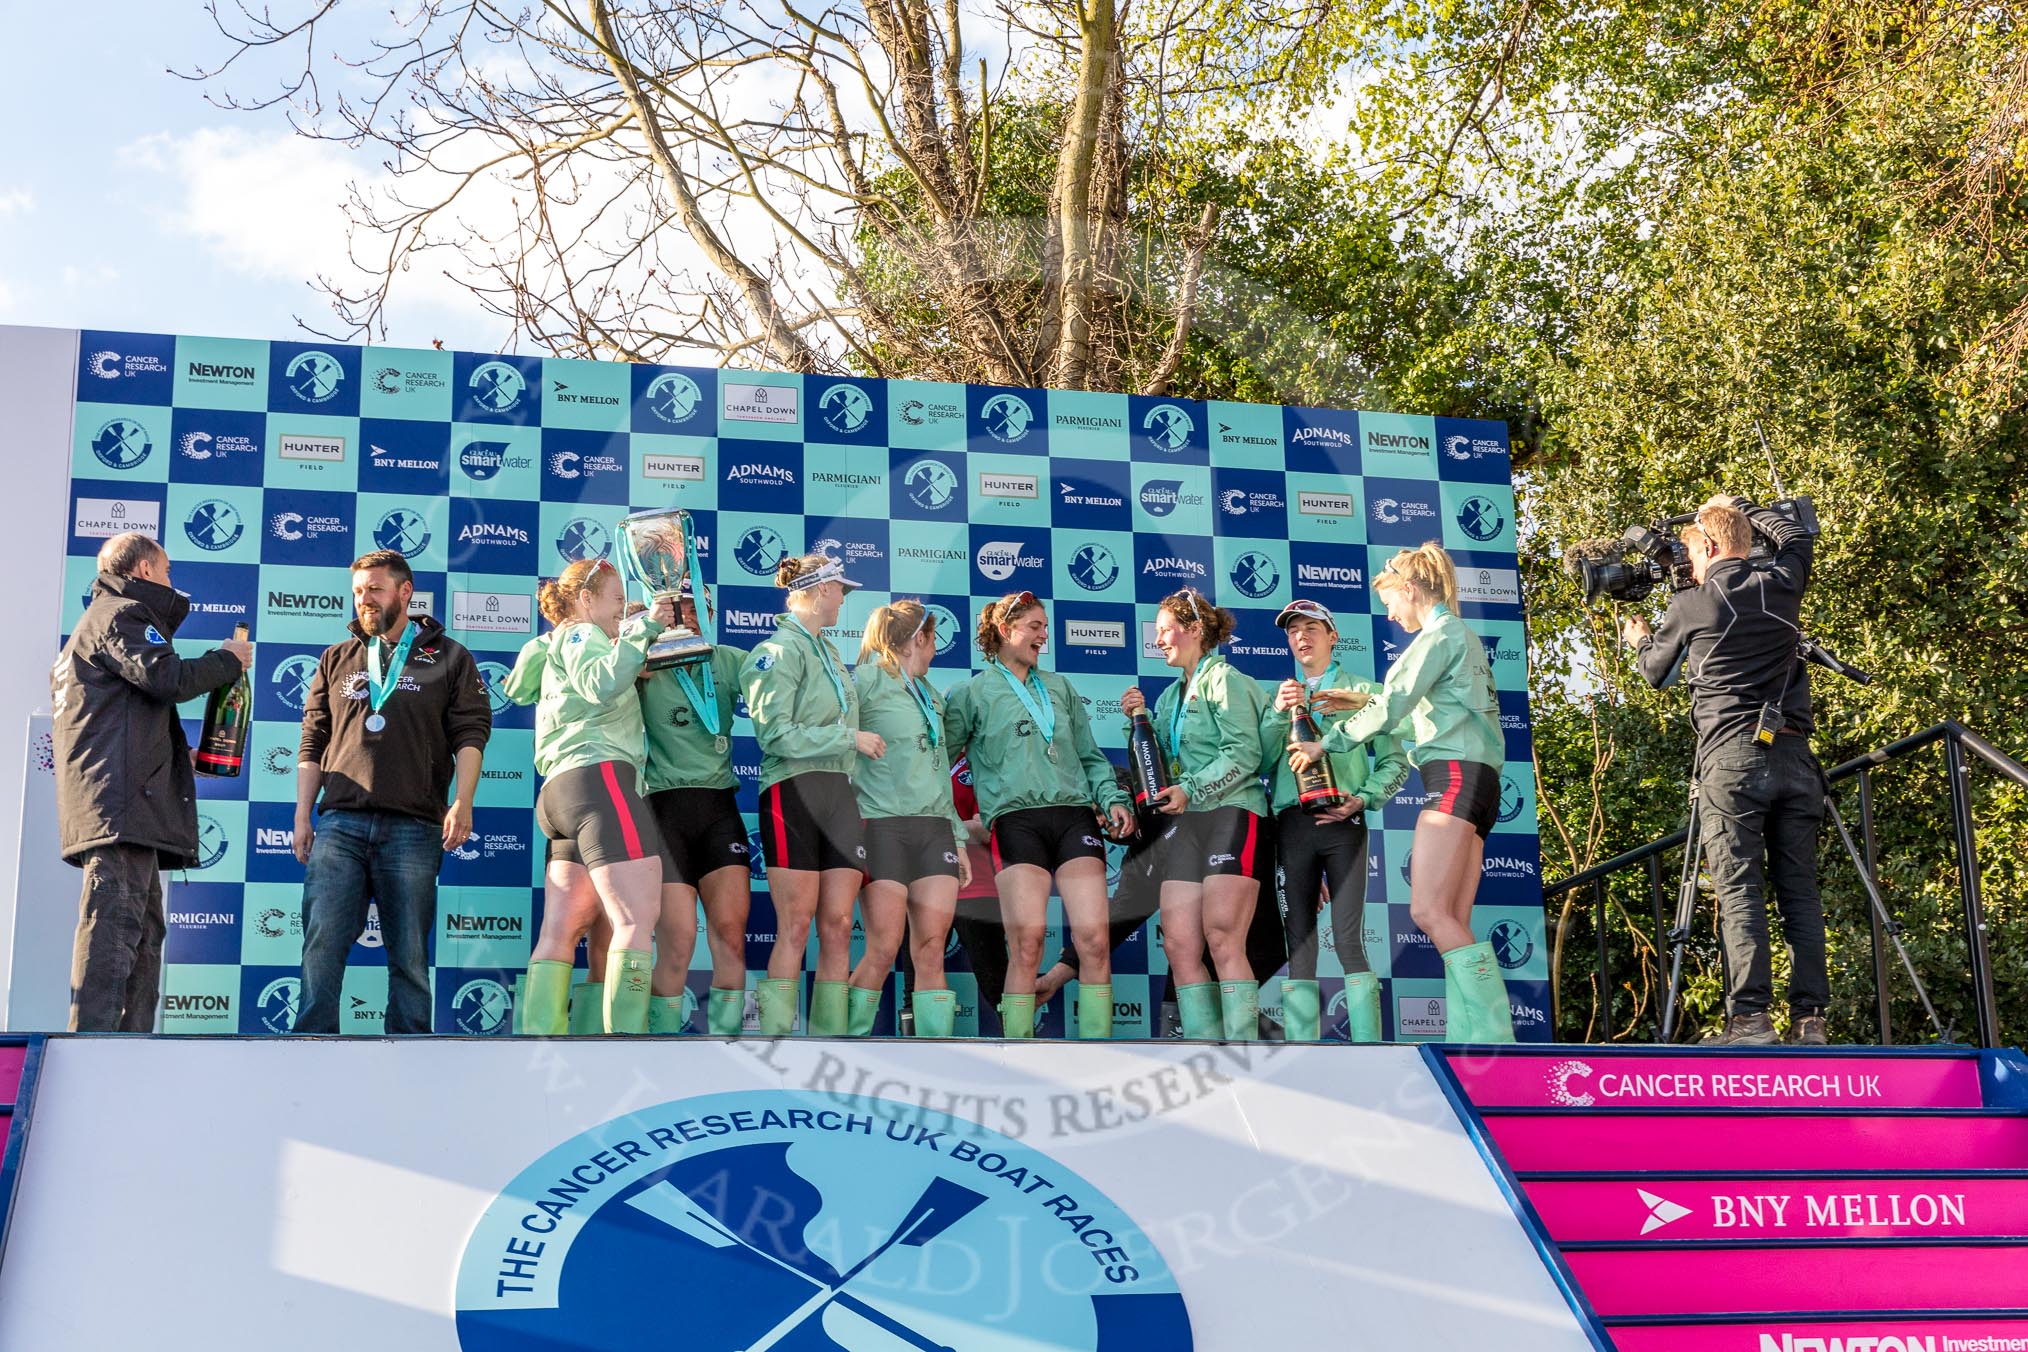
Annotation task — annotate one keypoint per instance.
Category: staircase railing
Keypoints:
(1957, 740)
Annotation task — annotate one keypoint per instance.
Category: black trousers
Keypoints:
(1312, 853)
(116, 960)
(1762, 809)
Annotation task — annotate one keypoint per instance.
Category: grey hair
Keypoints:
(125, 553)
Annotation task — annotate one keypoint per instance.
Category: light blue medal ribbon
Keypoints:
(1044, 713)
(830, 668)
(929, 712)
(705, 702)
(380, 686)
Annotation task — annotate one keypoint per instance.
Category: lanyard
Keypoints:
(1194, 675)
(1044, 713)
(824, 654)
(929, 713)
(381, 687)
(704, 701)
(1315, 683)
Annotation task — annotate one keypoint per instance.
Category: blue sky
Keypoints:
(129, 202)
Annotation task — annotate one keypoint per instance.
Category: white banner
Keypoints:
(503, 1196)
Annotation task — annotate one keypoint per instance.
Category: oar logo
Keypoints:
(808, 1222)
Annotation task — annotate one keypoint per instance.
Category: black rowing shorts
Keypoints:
(902, 849)
(1047, 837)
(811, 821)
(701, 833)
(1468, 789)
(593, 816)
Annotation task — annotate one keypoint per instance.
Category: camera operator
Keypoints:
(1736, 637)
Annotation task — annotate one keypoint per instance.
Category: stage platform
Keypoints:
(502, 1194)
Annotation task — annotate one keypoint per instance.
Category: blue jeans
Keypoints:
(357, 857)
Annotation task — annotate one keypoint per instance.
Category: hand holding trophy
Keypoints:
(658, 550)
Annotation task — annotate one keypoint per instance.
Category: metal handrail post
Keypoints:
(1870, 850)
(1977, 959)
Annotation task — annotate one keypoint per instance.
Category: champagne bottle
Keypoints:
(228, 713)
(1144, 758)
(1316, 787)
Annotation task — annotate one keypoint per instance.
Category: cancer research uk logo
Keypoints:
(811, 1222)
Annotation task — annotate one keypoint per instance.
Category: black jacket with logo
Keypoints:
(1737, 638)
(123, 773)
(439, 708)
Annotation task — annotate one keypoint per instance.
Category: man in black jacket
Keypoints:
(1736, 638)
(126, 795)
(393, 715)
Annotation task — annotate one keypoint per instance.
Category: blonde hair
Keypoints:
(892, 627)
(557, 600)
(789, 569)
(1427, 568)
(1190, 606)
(1001, 613)
(1726, 527)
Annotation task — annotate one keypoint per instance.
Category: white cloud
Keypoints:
(15, 202)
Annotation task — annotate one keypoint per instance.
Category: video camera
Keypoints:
(1630, 567)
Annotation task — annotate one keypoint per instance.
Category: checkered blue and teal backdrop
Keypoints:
(266, 467)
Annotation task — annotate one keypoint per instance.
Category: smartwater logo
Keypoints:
(997, 559)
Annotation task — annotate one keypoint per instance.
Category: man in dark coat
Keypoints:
(126, 795)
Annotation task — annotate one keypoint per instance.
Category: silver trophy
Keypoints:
(658, 551)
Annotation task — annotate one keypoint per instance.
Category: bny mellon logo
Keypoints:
(1661, 1211)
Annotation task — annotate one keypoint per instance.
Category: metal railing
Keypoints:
(1957, 740)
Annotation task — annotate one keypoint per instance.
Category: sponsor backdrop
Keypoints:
(266, 467)
(803, 1195)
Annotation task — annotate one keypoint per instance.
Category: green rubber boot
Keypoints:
(520, 1002)
(1239, 1005)
(723, 1010)
(862, 1008)
(936, 1012)
(1095, 1012)
(627, 990)
(1362, 1007)
(1481, 992)
(1302, 1004)
(547, 1009)
(1197, 1005)
(830, 1009)
(665, 1015)
(587, 1009)
(781, 1000)
(1017, 1015)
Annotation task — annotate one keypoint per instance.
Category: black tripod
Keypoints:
(1686, 905)
(1686, 889)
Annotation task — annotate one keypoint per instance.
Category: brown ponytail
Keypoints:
(1190, 606)
(557, 600)
(1001, 613)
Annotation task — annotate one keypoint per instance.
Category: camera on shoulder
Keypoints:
(1630, 567)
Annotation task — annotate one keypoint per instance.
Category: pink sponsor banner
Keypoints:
(1724, 1281)
(11, 1060)
(1659, 1208)
(1730, 1141)
(1691, 1080)
(1865, 1335)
